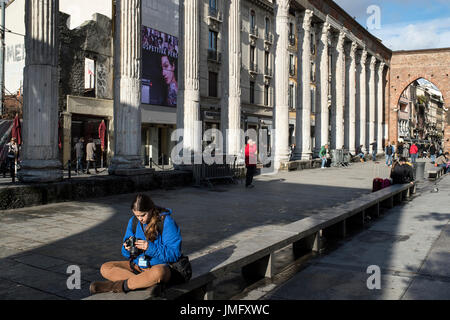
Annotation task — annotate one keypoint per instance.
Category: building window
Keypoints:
(253, 61)
(212, 84)
(252, 22)
(212, 40)
(267, 27)
(252, 92)
(267, 62)
(266, 95)
(291, 96)
(291, 65)
(313, 100)
(291, 34)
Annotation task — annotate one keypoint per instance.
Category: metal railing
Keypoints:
(207, 173)
(214, 55)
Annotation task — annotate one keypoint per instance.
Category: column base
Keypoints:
(127, 166)
(40, 171)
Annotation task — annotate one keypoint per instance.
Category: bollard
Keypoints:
(419, 170)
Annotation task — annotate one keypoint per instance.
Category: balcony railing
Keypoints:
(214, 55)
(253, 31)
(253, 67)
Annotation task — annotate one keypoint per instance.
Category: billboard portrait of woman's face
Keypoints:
(159, 68)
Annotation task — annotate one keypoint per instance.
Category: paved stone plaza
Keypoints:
(38, 244)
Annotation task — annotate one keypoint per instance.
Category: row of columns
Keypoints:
(348, 95)
(40, 153)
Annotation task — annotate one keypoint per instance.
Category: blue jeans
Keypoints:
(433, 158)
(79, 164)
(389, 159)
(413, 157)
(324, 161)
(374, 155)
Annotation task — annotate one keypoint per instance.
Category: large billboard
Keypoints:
(159, 68)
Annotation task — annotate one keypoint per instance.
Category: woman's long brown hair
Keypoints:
(143, 203)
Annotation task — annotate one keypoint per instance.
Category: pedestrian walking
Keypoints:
(323, 155)
(90, 155)
(79, 153)
(432, 152)
(389, 152)
(11, 158)
(374, 150)
(250, 162)
(399, 150)
(152, 244)
(413, 150)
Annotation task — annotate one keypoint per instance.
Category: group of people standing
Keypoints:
(90, 155)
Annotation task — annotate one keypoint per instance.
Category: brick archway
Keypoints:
(408, 66)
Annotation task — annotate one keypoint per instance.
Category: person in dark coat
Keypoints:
(402, 172)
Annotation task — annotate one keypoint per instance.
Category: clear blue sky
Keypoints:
(405, 24)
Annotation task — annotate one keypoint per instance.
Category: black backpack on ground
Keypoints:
(181, 271)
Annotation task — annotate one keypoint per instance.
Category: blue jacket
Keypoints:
(165, 249)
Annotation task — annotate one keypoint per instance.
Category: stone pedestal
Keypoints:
(40, 161)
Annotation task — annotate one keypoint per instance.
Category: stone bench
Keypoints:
(435, 173)
(254, 257)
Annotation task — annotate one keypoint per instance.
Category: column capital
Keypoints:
(381, 67)
(363, 58)
(283, 7)
(306, 19)
(373, 61)
(326, 27)
(353, 49)
(340, 41)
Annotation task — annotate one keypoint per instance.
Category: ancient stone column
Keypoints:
(303, 109)
(361, 101)
(322, 121)
(352, 99)
(233, 114)
(380, 106)
(281, 78)
(340, 90)
(39, 154)
(372, 93)
(188, 98)
(127, 159)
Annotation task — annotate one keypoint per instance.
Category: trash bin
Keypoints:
(419, 170)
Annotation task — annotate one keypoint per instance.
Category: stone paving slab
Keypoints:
(88, 233)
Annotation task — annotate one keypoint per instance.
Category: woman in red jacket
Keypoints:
(250, 162)
(413, 152)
